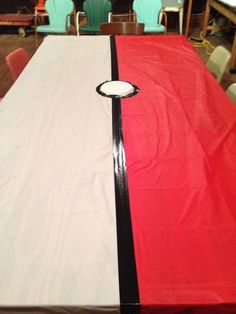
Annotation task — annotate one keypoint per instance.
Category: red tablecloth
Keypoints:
(180, 143)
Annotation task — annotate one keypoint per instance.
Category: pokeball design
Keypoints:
(117, 89)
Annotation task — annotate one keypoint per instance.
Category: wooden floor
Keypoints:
(9, 42)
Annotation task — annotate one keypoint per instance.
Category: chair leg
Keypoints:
(160, 16)
(162, 12)
(36, 39)
(35, 29)
(181, 15)
(77, 22)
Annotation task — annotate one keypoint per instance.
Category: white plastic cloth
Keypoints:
(57, 205)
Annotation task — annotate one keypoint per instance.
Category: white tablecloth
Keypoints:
(57, 204)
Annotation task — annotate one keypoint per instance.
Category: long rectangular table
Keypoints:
(91, 226)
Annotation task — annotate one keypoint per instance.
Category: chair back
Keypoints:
(16, 61)
(147, 11)
(218, 61)
(231, 92)
(173, 3)
(97, 11)
(58, 11)
(122, 28)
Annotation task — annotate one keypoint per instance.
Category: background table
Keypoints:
(230, 14)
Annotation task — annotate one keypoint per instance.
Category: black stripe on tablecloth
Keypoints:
(129, 294)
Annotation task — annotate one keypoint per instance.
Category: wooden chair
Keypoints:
(122, 28)
(122, 17)
(15, 19)
(16, 61)
(218, 61)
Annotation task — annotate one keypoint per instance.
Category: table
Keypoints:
(22, 20)
(66, 240)
(230, 15)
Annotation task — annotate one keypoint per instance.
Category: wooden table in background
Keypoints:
(230, 15)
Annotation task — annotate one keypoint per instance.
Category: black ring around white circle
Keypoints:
(134, 92)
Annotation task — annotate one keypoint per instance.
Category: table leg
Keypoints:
(190, 4)
(206, 18)
(233, 56)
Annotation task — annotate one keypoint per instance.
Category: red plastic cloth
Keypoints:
(180, 143)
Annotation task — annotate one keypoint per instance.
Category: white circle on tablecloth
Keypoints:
(118, 88)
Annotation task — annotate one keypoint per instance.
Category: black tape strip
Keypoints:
(129, 294)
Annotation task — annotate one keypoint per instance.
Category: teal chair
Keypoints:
(148, 12)
(96, 12)
(59, 12)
